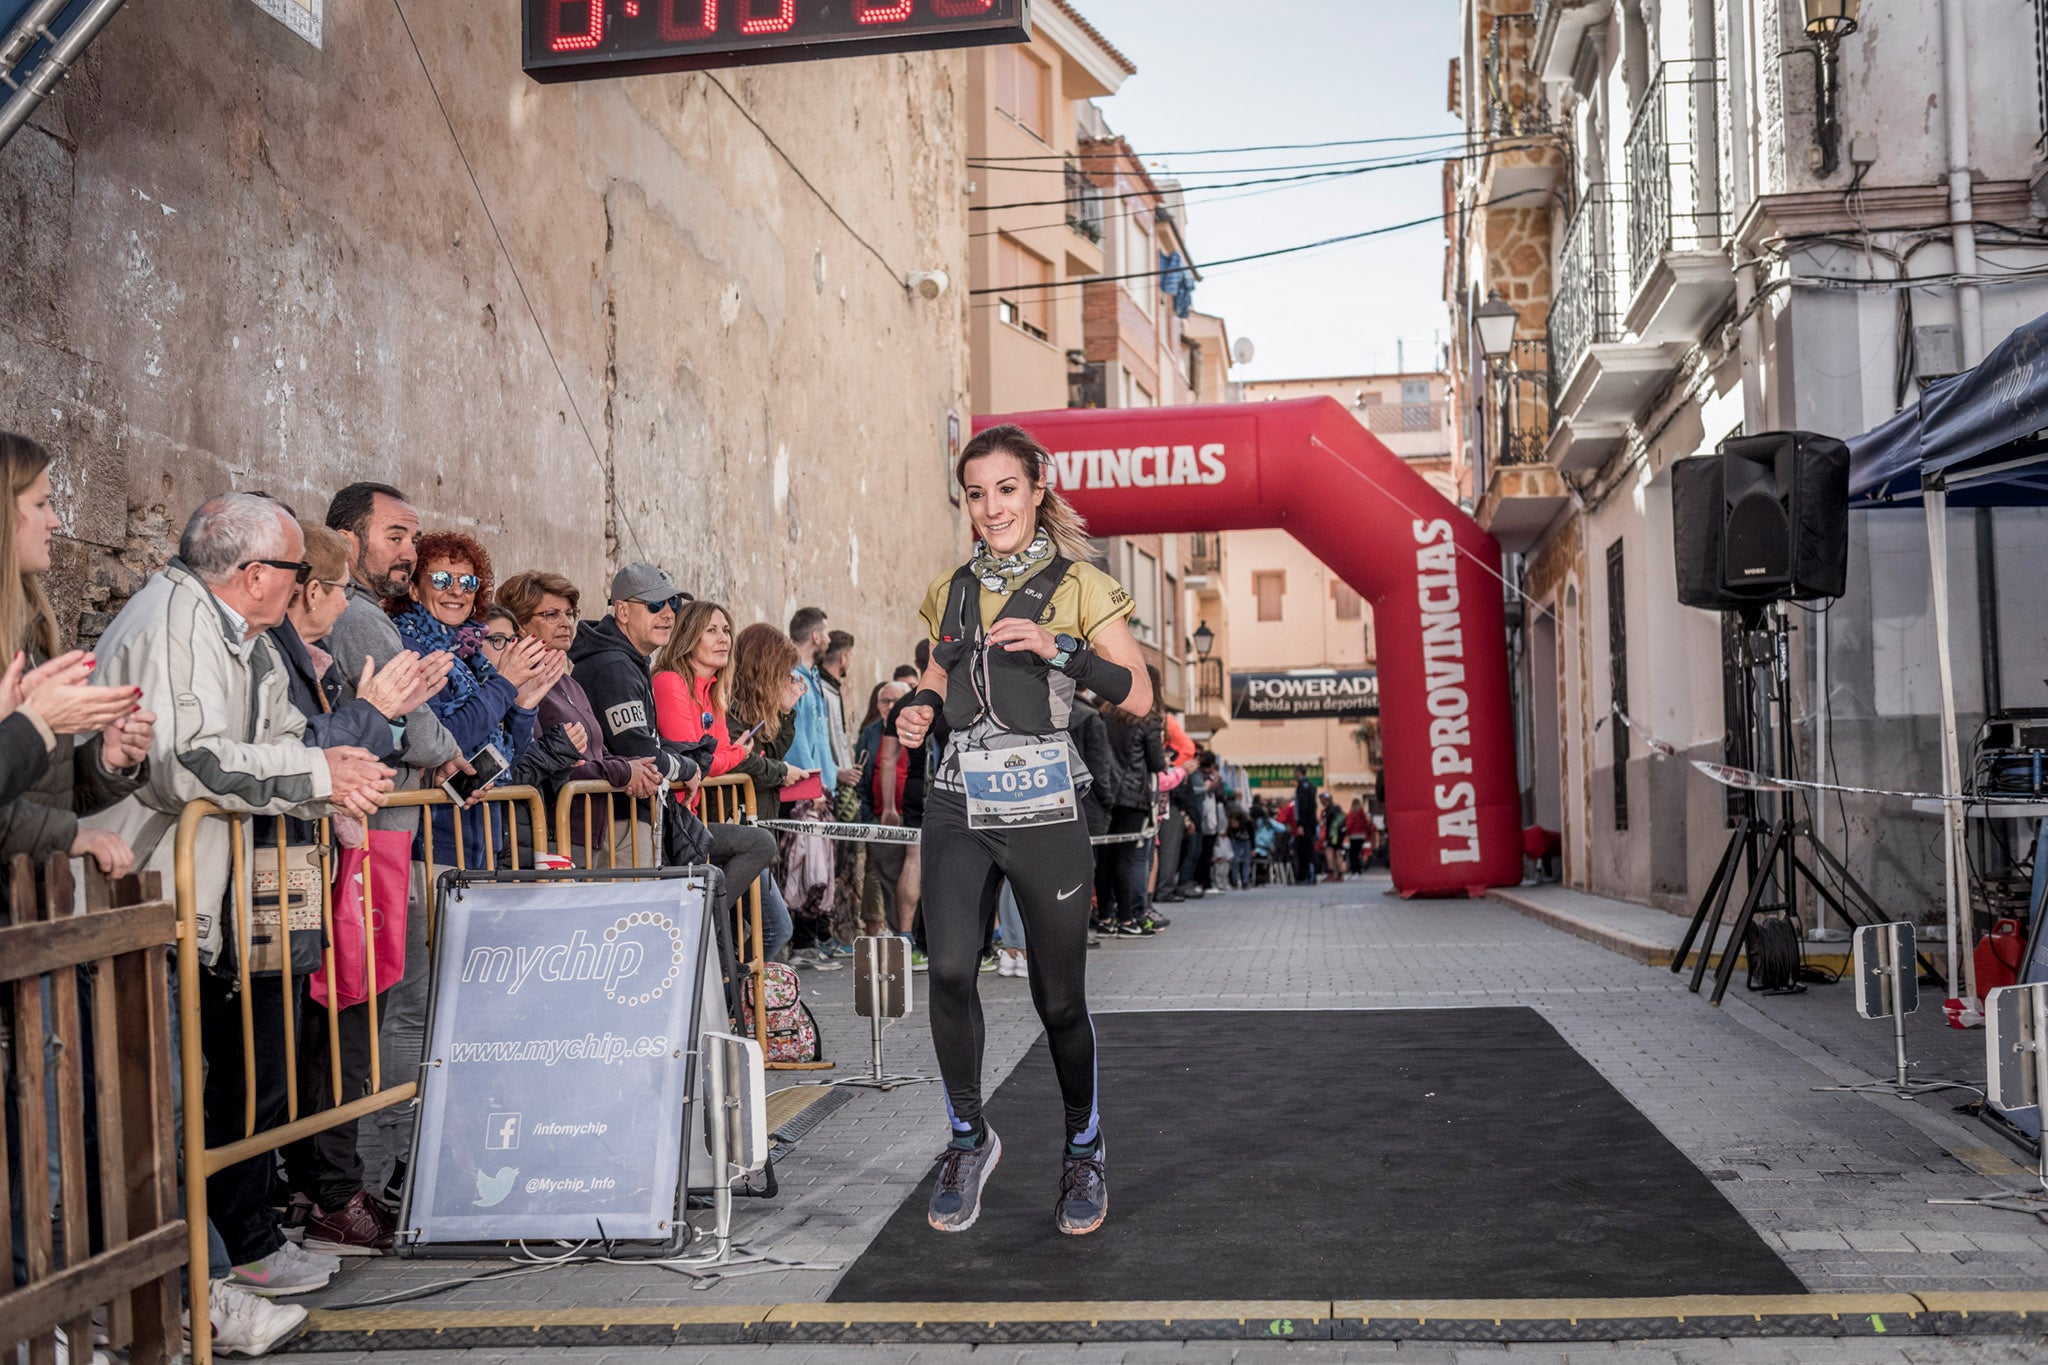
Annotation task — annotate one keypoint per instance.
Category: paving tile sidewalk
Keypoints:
(1838, 1183)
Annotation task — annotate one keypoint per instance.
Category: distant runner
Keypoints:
(1014, 632)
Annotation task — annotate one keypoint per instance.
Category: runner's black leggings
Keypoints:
(1050, 868)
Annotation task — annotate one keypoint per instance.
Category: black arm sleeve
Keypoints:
(1100, 676)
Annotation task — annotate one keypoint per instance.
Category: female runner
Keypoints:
(1014, 632)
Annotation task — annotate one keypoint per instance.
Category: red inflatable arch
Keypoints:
(1308, 467)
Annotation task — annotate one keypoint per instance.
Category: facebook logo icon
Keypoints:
(501, 1132)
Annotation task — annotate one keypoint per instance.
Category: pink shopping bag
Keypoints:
(387, 862)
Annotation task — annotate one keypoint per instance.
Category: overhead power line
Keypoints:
(1254, 256)
(1268, 147)
(1451, 145)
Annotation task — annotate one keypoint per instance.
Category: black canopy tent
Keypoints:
(1976, 439)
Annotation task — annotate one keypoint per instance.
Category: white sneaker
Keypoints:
(245, 1325)
(302, 1254)
(99, 1357)
(284, 1271)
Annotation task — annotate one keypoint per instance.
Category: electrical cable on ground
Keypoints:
(617, 512)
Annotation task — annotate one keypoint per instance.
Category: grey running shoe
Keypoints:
(956, 1198)
(1084, 1194)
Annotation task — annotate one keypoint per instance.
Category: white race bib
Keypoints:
(1012, 788)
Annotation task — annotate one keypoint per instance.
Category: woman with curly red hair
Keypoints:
(480, 703)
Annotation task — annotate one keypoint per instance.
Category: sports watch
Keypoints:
(1067, 647)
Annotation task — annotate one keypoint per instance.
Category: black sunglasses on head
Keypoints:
(300, 569)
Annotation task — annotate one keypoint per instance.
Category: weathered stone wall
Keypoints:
(235, 261)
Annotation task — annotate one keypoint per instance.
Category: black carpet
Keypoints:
(1369, 1154)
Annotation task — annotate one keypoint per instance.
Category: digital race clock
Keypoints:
(574, 40)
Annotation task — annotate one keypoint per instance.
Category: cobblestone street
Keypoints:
(1836, 1183)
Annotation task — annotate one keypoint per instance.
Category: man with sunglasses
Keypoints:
(611, 658)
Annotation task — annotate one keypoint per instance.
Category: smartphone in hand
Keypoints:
(489, 764)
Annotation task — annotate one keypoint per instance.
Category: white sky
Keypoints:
(1232, 73)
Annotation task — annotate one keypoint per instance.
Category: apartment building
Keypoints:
(1693, 212)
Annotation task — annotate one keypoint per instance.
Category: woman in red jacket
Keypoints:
(693, 685)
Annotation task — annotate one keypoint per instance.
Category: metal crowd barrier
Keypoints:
(202, 1161)
(102, 971)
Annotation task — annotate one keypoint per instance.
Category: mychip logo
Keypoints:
(635, 962)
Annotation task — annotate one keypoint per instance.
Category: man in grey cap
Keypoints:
(611, 658)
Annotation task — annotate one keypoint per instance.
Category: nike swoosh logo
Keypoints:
(1068, 892)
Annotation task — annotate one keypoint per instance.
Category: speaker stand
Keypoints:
(1769, 852)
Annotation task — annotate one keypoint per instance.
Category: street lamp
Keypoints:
(1827, 23)
(1496, 319)
(1204, 638)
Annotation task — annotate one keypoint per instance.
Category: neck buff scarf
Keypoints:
(1002, 573)
(423, 631)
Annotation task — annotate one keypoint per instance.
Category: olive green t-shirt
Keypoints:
(1086, 600)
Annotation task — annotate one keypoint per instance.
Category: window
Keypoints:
(1135, 256)
(1269, 588)
(1020, 81)
(1347, 601)
(1144, 587)
(1617, 673)
(1194, 368)
(1022, 305)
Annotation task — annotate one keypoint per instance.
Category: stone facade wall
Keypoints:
(238, 261)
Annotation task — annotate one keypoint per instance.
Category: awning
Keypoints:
(1983, 432)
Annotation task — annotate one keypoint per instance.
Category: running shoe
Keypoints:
(989, 963)
(918, 961)
(356, 1228)
(833, 948)
(244, 1325)
(1135, 929)
(284, 1271)
(1084, 1193)
(1158, 922)
(956, 1195)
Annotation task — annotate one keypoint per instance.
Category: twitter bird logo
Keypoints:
(492, 1189)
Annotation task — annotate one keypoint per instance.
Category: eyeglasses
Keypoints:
(444, 580)
(562, 614)
(499, 640)
(665, 603)
(300, 569)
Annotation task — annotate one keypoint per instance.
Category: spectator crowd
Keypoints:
(296, 670)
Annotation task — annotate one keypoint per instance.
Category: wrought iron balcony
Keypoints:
(1087, 384)
(1586, 304)
(1514, 95)
(1523, 433)
(1673, 190)
(1385, 419)
(1212, 696)
(1205, 553)
(1084, 203)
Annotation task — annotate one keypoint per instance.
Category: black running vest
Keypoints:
(1014, 688)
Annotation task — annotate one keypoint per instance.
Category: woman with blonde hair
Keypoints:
(49, 689)
(1014, 633)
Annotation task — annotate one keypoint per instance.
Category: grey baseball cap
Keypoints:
(644, 583)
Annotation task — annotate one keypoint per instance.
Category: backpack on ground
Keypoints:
(792, 1030)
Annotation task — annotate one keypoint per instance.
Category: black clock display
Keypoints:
(574, 40)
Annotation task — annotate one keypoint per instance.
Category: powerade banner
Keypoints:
(1305, 694)
(558, 1055)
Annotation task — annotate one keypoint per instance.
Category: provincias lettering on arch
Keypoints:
(1450, 705)
(1140, 466)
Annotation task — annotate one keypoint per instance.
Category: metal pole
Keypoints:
(53, 67)
(2038, 998)
(721, 1158)
(1897, 971)
(1955, 867)
(27, 30)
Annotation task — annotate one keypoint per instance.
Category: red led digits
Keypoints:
(779, 22)
(592, 32)
(675, 30)
(881, 11)
(960, 9)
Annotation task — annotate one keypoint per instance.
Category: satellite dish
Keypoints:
(1243, 351)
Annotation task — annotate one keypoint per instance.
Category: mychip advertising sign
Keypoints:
(1305, 694)
(559, 1047)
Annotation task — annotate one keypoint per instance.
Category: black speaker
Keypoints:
(1764, 520)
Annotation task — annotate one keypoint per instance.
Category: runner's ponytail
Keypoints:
(1056, 516)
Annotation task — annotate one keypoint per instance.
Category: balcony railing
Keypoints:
(1084, 203)
(1212, 698)
(1387, 418)
(1586, 305)
(1087, 384)
(1673, 174)
(1524, 432)
(1205, 553)
(1514, 97)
